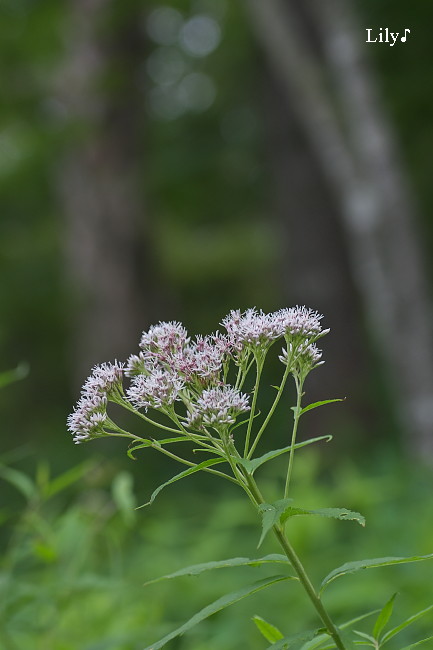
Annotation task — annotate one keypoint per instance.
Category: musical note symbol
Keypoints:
(404, 38)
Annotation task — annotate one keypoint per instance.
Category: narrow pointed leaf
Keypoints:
(269, 631)
(406, 623)
(315, 405)
(294, 641)
(321, 638)
(254, 463)
(154, 443)
(216, 606)
(178, 477)
(334, 513)
(353, 567)
(384, 617)
(197, 569)
(369, 638)
(271, 514)
(414, 645)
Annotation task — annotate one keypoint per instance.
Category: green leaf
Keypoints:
(280, 511)
(414, 645)
(271, 515)
(405, 624)
(321, 638)
(369, 638)
(269, 631)
(154, 443)
(353, 567)
(196, 569)
(384, 617)
(294, 640)
(178, 477)
(334, 513)
(8, 377)
(322, 403)
(254, 463)
(21, 481)
(216, 606)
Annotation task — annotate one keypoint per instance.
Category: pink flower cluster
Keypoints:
(218, 407)
(170, 367)
(90, 414)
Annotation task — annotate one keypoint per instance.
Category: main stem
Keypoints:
(299, 568)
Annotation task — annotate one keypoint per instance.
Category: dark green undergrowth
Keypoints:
(76, 554)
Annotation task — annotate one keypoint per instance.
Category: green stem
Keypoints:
(300, 570)
(271, 412)
(299, 385)
(259, 362)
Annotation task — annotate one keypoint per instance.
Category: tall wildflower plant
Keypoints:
(198, 386)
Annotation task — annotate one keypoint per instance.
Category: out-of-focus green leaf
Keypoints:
(216, 606)
(405, 624)
(269, 631)
(353, 567)
(9, 376)
(417, 643)
(196, 569)
(19, 480)
(383, 617)
(293, 641)
(123, 495)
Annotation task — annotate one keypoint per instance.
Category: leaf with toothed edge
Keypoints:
(197, 569)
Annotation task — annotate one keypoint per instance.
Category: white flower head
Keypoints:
(106, 379)
(299, 321)
(252, 328)
(157, 390)
(218, 407)
(164, 339)
(88, 418)
(202, 360)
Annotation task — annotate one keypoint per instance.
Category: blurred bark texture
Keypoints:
(350, 137)
(99, 87)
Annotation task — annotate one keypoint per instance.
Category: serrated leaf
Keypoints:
(269, 631)
(315, 405)
(293, 641)
(405, 624)
(18, 479)
(153, 443)
(178, 477)
(252, 464)
(216, 606)
(271, 514)
(197, 569)
(384, 617)
(334, 513)
(353, 567)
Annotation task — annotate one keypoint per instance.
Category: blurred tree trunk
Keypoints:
(358, 162)
(105, 230)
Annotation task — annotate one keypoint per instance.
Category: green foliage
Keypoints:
(353, 567)
(269, 631)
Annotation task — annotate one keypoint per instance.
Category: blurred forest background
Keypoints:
(175, 160)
